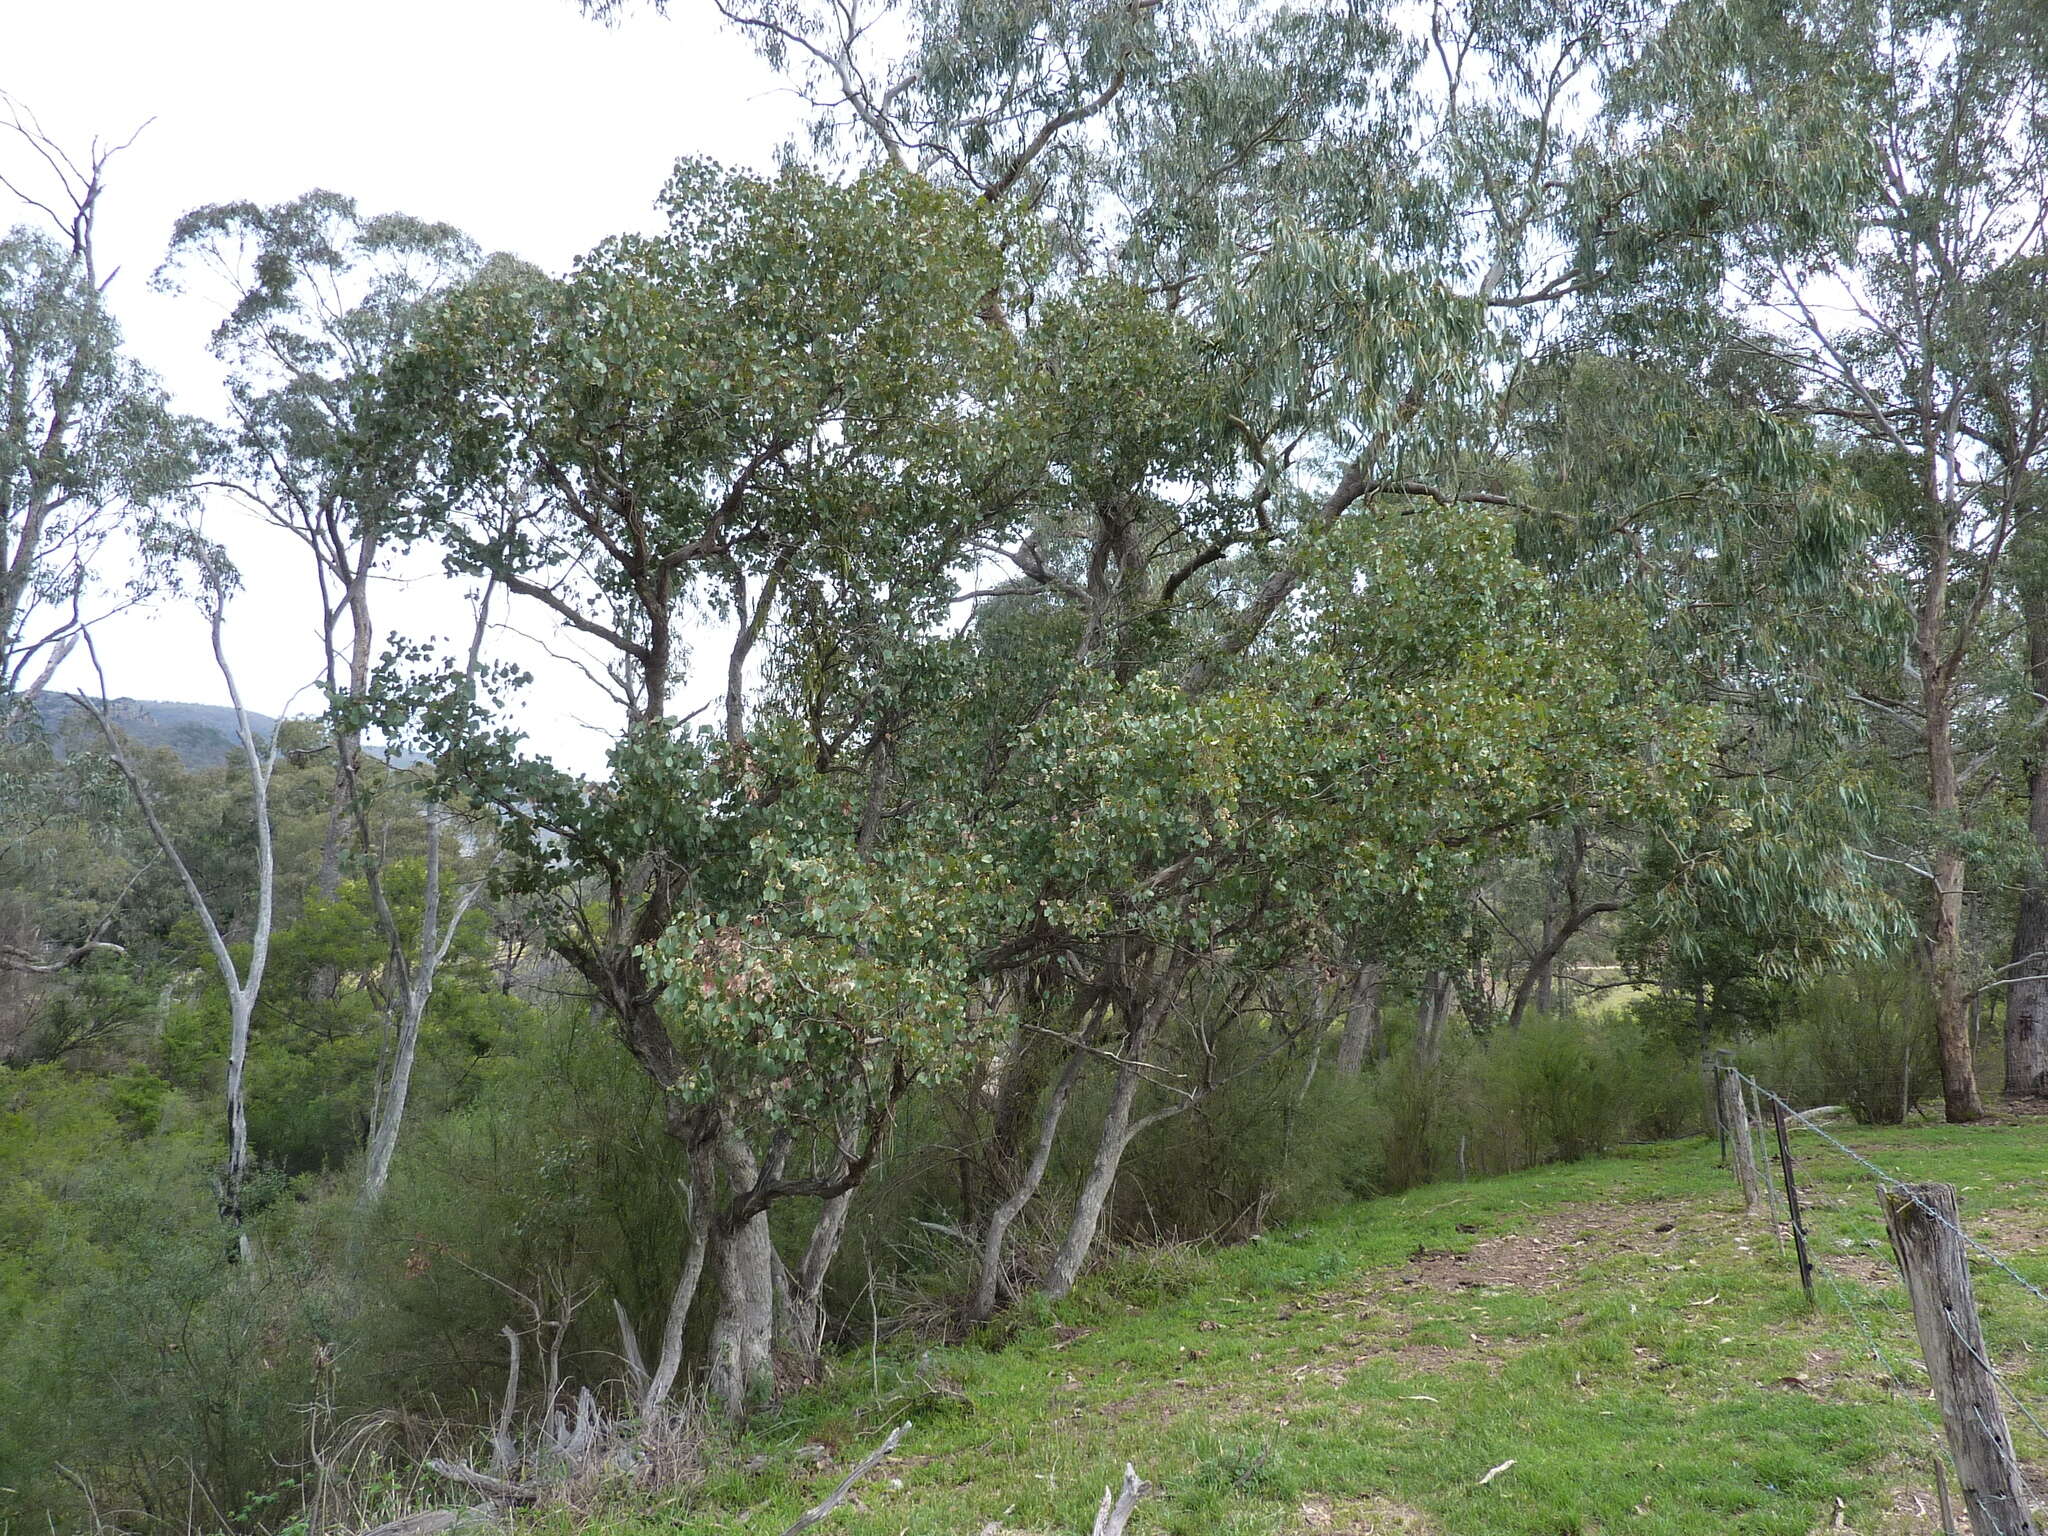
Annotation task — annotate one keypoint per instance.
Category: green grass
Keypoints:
(1324, 1380)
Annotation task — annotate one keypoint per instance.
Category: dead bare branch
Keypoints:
(873, 1459)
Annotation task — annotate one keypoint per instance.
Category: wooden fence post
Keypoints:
(1755, 1105)
(1741, 1147)
(1710, 1084)
(1927, 1237)
(1792, 1199)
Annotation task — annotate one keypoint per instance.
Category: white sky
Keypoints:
(533, 129)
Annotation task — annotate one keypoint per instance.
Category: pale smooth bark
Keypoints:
(988, 1278)
(1361, 1037)
(800, 1293)
(1119, 1130)
(243, 984)
(1432, 1012)
(410, 976)
(668, 1365)
(413, 989)
(1116, 1135)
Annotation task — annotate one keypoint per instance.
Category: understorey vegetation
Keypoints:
(1198, 614)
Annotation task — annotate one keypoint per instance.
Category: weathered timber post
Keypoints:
(1927, 1238)
(1741, 1148)
(1948, 1514)
(1792, 1199)
(1710, 1083)
(1763, 1164)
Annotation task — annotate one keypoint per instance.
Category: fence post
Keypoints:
(1710, 1081)
(1763, 1164)
(1948, 1514)
(1792, 1198)
(1927, 1237)
(1741, 1147)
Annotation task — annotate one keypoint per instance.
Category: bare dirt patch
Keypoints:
(1553, 1253)
(2018, 1229)
(1358, 1517)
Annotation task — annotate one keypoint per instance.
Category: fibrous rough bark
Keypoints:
(742, 1368)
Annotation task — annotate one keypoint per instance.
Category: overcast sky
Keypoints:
(536, 131)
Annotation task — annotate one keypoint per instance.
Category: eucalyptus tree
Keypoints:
(1672, 464)
(241, 975)
(89, 447)
(2026, 973)
(319, 299)
(787, 401)
(1297, 253)
(1873, 179)
(1380, 747)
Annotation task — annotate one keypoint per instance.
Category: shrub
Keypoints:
(1865, 1040)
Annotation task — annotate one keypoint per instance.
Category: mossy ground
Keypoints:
(1616, 1328)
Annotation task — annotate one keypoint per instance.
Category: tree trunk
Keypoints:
(1945, 924)
(413, 989)
(389, 1112)
(2026, 999)
(1027, 1064)
(669, 1364)
(1094, 1192)
(988, 1281)
(348, 744)
(241, 1005)
(2026, 1003)
(1117, 1129)
(244, 984)
(1361, 1037)
(800, 1294)
(742, 1370)
(1432, 1011)
(1536, 983)
(1556, 936)
(327, 884)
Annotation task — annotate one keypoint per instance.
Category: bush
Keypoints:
(1865, 1040)
(164, 1376)
(1556, 1087)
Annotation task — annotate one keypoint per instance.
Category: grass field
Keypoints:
(1616, 1328)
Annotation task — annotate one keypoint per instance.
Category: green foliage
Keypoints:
(1647, 1379)
(1209, 507)
(1864, 1039)
(133, 1350)
(89, 451)
(1558, 1087)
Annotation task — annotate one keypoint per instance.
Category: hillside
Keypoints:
(1616, 1328)
(201, 734)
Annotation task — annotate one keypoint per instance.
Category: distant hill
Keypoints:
(201, 734)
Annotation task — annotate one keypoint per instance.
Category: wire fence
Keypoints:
(1841, 1193)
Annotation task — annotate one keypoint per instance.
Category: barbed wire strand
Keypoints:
(1886, 1179)
(1893, 1181)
